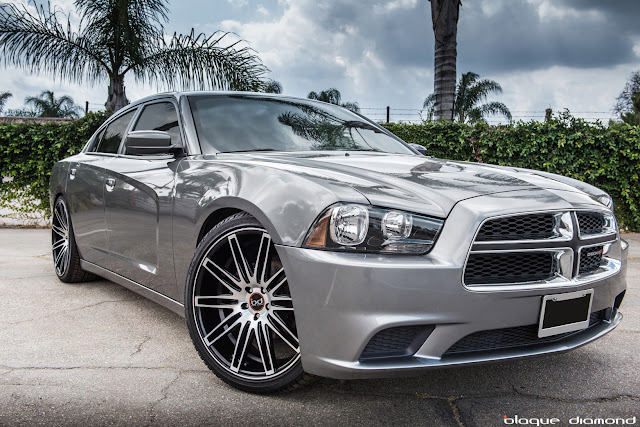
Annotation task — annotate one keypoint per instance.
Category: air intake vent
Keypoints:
(522, 227)
(497, 339)
(591, 222)
(396, 342)
(510, 267)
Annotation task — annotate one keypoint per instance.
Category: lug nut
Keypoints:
(244, 306)
(256, 316)
(247, 289)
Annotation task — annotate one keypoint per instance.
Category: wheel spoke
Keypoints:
(60, 243)
(59, 257)
(210, 302)
(262, 258)
(239, 259)
(277, 324)
(231, 321)
(59, 231)
(276, 287)
(215, 267)
(241, 344)
(61, 214)
(264, 347)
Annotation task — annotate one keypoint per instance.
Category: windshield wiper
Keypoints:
(246, 151)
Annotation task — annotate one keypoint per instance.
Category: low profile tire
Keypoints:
(66, 258)
(239, 309)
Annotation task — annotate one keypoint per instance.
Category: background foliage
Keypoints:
(28, 152)
(607, 157)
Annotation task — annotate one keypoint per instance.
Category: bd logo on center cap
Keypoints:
(257, 301)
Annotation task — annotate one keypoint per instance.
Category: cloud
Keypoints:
(557, 53)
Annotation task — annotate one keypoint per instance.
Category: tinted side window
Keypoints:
(96, 141)
(113, 135)
(161, 116)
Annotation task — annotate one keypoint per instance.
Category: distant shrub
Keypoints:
(28, 151)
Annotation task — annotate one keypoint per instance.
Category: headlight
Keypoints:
(359, 228)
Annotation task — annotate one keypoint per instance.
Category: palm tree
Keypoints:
(47, 105)
(469, 97)
(333, 96)
(4, 96)
(444, 15)
(116, 37)
(272, 86)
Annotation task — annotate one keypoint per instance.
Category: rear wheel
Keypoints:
(239, 309)
(66, 258)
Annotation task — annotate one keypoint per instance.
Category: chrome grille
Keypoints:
(521, 227)
(590, 259)
(541, 248)
(591, 222)
(510, 267)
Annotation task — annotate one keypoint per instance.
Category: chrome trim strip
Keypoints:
(561, 238)
(610, 226)
(154, 296)
(564, 256)
(605, 260)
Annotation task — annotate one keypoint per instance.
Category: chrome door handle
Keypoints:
(110, 184)
(72, 174)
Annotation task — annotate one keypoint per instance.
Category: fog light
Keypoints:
(396, 225)
(349, 224)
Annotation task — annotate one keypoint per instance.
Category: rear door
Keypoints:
(139, 206)
(86, 189)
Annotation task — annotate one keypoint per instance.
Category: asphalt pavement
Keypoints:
(98, 354)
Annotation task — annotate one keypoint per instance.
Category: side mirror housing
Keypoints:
(419, 148)
(150, 142)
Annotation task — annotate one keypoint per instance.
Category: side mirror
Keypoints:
(419, 148)
(150, 142)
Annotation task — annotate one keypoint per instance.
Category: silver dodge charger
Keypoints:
(300, 239)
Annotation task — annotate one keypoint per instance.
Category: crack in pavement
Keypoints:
(165, 394)
(71, 310)
(146, 339)
(456, 411)
(570, 400)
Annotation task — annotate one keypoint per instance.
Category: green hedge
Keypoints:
(607, 157)
(28, 151)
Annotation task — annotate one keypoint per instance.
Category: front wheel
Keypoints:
(239, 309)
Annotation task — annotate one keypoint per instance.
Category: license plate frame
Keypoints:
(567, 312)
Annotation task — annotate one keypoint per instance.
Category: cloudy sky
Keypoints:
(574, 54)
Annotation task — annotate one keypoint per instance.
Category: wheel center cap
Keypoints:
(256, 301)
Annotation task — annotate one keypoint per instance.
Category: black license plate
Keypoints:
(562, 313)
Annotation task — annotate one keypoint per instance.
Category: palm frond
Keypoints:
(4, 97)
(200, 62)
(495, 108)
(125, 27)
(272, 86)
(353, 106)
(44, 41)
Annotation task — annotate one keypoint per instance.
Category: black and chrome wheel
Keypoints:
(65, 253)
(239, 308)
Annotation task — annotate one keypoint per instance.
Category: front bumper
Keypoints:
(342, 300)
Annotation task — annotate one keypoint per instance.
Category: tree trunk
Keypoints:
(117, 97)
(444, 15)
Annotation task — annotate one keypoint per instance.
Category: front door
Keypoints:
(139, 208)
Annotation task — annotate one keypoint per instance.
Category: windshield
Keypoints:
(237, 123)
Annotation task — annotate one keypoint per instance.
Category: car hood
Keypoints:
(417, 183)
